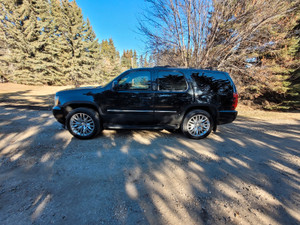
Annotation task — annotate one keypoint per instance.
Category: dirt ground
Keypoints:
(30, 97)
(248, 172)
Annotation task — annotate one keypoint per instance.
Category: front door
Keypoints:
(131, 101)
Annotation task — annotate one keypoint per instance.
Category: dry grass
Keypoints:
(246, 111)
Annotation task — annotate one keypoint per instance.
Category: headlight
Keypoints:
(56, 100)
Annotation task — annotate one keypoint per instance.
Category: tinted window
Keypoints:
(171, 81)
(208, 82)
(136, 80)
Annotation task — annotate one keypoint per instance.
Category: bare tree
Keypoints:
(177, 29)
(227, 35)
(221, 34)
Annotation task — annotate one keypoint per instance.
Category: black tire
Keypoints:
(203, 129)
(89, 126)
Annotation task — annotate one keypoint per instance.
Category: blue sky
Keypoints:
(116, 19)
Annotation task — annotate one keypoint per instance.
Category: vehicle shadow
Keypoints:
(247, 172)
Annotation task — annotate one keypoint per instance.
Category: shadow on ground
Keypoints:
(27, 100)
(248, 172)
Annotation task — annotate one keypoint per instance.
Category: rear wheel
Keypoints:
(83, 123)
(197, 124)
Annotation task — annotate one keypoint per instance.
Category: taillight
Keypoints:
(235, 101)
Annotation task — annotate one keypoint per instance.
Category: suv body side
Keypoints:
(152, 103)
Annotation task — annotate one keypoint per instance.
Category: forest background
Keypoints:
(48, 42)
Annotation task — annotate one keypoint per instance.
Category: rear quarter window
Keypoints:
(212, 82)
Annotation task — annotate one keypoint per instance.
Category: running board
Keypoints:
(132, 127)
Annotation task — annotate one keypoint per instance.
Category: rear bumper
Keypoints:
(227, 116)
(58, 114)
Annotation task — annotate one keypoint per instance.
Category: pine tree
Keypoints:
(56, 47)
(291, 64)
(14, 19)
(49, 42)
(40, 60)
(92, 53)
(110, 60)
(27, 28)
(134, 59)
(126, 59)
(74, 46)
(282, 63)
(73, 32)
(146, 64)
(4, 61)
(141, 61)
(129, 59)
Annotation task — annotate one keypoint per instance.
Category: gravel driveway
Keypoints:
(246, 173)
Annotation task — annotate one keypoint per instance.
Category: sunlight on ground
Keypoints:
(41, 206)
(246, 171)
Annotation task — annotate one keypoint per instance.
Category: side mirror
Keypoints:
(114, 85)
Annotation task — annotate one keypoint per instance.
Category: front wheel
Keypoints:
(197, 124)
(83, 123)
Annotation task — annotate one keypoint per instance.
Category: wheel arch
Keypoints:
(74, 105)
(211, 109)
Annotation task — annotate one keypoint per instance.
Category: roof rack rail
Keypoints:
(166, 66)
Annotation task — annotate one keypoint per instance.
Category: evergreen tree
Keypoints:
(56, 47)
(4, 61)
(73, 32)
(110, 60)
(281, 63)
(14, 23)
(294, 76)
(49, 42)
(146, 64)
(25, 24)
(92, 52)
(141, 61)
(134, 59)
(129, 59)
(39, 61)
(126, 59)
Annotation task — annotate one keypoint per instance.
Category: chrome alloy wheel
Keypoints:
(82, 124)
(198, 125)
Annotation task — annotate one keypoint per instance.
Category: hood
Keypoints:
(77, 90)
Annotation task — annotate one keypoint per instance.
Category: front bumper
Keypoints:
(59, 114)
(227, 116)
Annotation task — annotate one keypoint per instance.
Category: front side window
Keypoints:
(171, 81)
(136, 80)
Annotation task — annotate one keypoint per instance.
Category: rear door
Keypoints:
(171, 97)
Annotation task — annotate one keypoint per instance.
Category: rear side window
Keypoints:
(208, 82)
(171, 81)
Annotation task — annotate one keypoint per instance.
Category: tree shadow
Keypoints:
(27, 100)
(247, 172)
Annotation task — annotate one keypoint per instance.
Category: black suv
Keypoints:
(193, 100)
